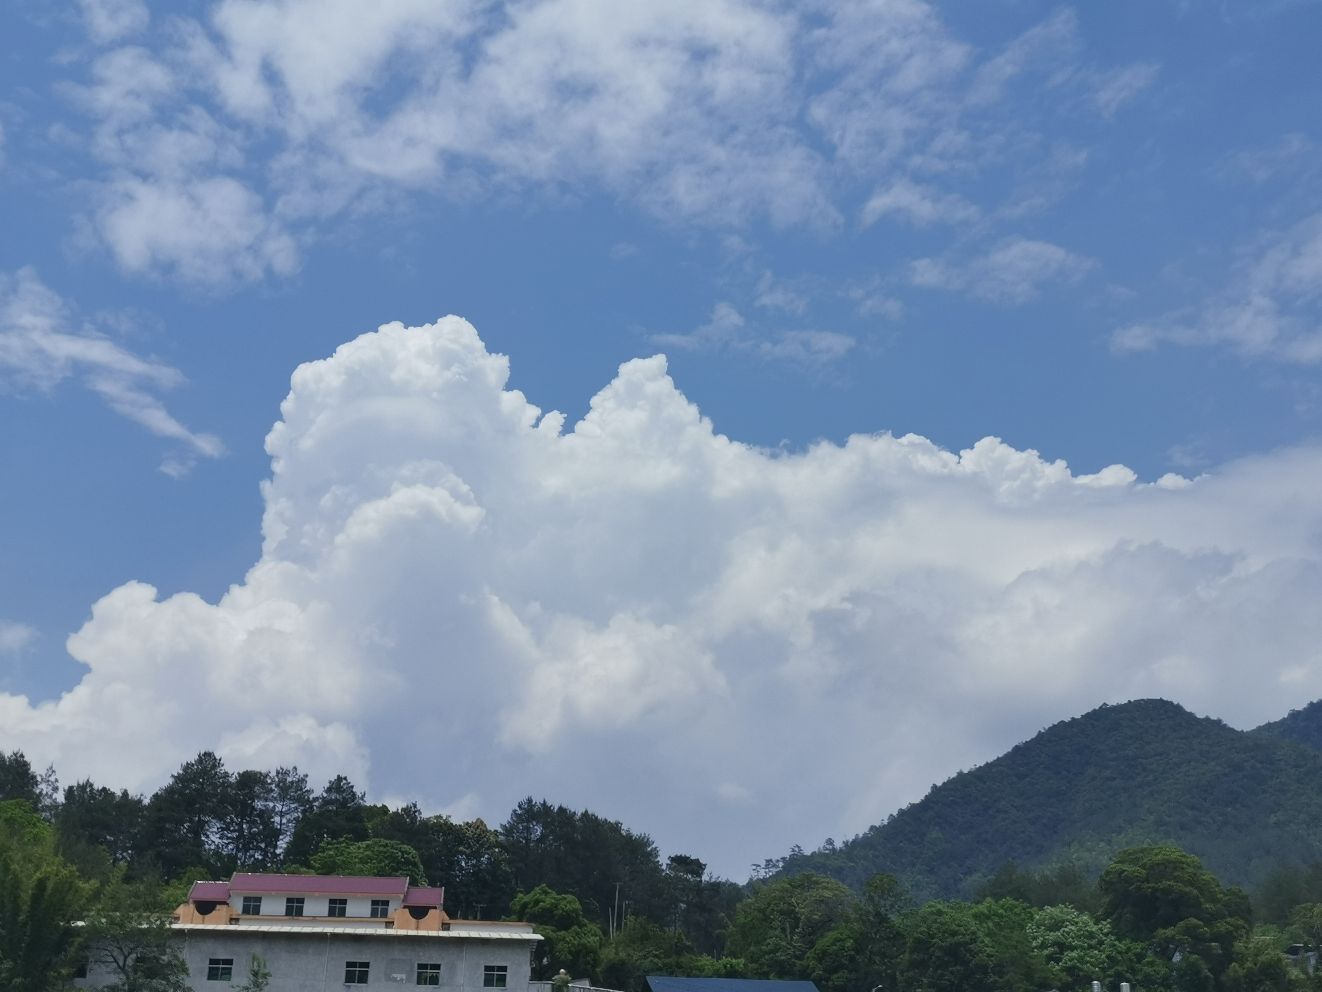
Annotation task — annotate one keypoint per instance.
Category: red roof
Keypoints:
(430, 896)
(251, 883)
(209, 892)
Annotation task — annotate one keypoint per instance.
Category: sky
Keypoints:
(732, 417)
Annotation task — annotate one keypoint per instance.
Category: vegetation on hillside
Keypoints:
(1139, 773)
(1096, 851)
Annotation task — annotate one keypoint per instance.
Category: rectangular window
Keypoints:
(429, 974)
(380, 908)
(493, 976)
(220, 969)
(338, 907)
(294, 906)
(252, 905)
(355, 972)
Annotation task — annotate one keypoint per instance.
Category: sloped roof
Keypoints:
(662, 983)
(209, 892)
(252, 883)
(427, 896)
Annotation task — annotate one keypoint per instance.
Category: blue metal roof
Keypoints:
(662, 983)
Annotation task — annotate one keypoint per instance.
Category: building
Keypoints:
(347, 933)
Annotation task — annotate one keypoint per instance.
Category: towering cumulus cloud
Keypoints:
(461, 601)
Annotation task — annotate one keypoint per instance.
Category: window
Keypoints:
(493, 976)
(380, 908)
(429, 974)
(220, 969)
(294, 906)
(337, 907)
(252, 905)
(355, 972)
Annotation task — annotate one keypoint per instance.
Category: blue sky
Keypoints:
(1092, 231)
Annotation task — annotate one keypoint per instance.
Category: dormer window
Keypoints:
(294, 906)
(380, 909)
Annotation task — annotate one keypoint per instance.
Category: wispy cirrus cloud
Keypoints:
(1270, 309)
(15, 637)
(727, 330)
(1011, 272)
(44, 343)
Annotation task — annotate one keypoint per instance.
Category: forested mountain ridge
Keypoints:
(1141, 772)
(1302, 725)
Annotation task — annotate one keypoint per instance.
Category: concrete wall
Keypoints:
(315, 962)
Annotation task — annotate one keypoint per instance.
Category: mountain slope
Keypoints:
(1140, 772)
(1303, 726)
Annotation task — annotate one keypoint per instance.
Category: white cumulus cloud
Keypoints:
(463, 599)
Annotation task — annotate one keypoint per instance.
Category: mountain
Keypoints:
(1141, 772)
(1303, 726)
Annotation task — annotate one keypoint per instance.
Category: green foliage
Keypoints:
(569, 940)
(1259, 966)
(127, 936)
(368, 857)
(776, 927)
(1078, 792)
(468, 858)
(93, 817)
(1082, 949)
(945, 951)
(40, 896)
(1306, 921)
(1149, 889)
(586, 854)
(18, 780)
(338, 812)
(259, 976)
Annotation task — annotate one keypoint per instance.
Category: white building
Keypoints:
(345, 933)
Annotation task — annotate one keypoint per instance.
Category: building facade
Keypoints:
(315, 933)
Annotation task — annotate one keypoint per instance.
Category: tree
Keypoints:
(569, 940)
(248, 835)
(467, 858)
(289, 801)
(1165, 897)
(92, 816)
(945, 952)
(18, 780)
(588, 855)
(368, 857)
(39, 897)
(1307, 922)
(1080, 948)
(1147, 889)
(127, 936)
(259, 976)
(338, 812)
(185, 818)
(1259, 966)
(776, 927)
